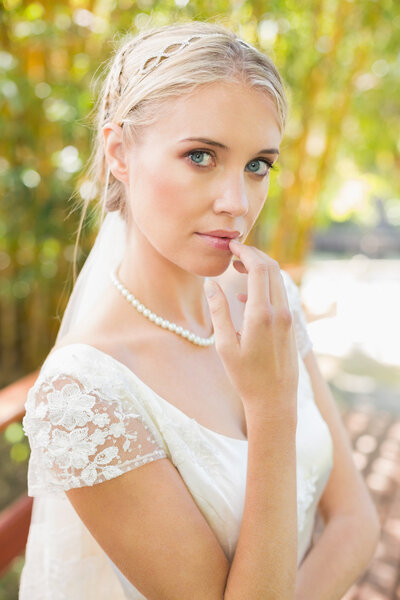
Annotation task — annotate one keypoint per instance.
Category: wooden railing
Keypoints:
(14, 519)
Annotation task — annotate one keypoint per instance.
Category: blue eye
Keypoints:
(198, 155)
(256, 164)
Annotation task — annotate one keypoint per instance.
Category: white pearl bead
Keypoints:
(164, 323)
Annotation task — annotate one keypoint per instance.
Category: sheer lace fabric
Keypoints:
(89, 419)
(82, 436)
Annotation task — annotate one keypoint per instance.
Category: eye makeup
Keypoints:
(202, 151)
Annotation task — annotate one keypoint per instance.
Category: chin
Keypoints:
(207, 269)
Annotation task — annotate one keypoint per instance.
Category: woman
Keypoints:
(181, 444)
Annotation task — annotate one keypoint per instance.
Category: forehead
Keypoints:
(230, 112)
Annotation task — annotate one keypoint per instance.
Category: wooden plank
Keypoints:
(14, 529)
(13, 398)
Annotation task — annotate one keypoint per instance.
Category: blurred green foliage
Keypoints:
(14, 452)
(10, 582)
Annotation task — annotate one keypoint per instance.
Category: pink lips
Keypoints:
(219, 238)
(222, 233)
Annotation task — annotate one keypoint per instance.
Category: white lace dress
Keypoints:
(89, 418)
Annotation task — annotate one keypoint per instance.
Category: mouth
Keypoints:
(221, 233)
(216, 241)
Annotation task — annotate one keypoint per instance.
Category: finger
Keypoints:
(277, 286)
(258, 278)
(239, 266)
(226, 340)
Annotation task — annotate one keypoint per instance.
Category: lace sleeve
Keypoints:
(303, 340)
(80, 435)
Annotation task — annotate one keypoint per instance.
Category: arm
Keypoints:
(265, 562)
(352, 529)
(162, 543)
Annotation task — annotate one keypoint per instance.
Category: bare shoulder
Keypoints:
(97, 339)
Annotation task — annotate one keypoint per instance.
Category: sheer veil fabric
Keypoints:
(94, 277)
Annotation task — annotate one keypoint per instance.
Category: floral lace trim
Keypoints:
(80, 438)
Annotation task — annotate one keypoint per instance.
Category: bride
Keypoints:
(182, 435)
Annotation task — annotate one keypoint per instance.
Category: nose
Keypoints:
(232, 198)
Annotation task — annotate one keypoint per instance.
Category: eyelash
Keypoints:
(267, 162)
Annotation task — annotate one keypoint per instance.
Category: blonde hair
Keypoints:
(156, 65)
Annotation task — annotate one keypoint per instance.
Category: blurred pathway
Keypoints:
(375, 437)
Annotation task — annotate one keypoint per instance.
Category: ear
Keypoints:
(114, 151)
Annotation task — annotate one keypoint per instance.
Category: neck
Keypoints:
(163, 287)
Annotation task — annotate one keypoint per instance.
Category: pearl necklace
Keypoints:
(164, 323)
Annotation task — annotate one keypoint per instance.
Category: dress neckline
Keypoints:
(133, 374)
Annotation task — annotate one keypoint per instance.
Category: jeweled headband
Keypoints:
(153, 61)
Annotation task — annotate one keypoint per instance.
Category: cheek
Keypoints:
(257, 206)
(166, 196)
(162, 205)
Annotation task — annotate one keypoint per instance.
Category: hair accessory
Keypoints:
(154, 61)
(164, 323)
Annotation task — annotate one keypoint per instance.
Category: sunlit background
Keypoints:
(332, 217)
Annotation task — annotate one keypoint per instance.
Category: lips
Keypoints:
(218, 241)
(221, 233)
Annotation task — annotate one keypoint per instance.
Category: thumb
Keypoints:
(225, 335)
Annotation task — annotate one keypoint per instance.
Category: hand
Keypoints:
(261, 359)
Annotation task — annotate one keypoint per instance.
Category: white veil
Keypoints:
(105, 255)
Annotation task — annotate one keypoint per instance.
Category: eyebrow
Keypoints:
(219, 145)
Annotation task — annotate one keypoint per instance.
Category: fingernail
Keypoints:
(210, 288)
